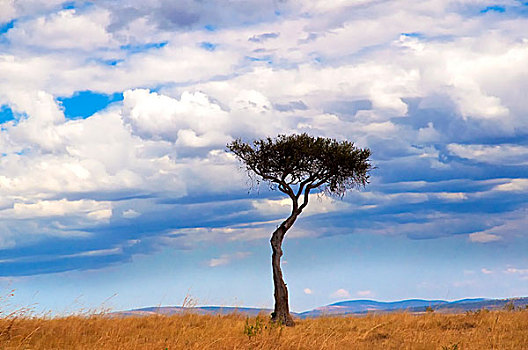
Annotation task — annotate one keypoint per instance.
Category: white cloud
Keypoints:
(183, 63)
(438, 67)
(430, 225)
(429, 134)
(90, 209)
(39, 127)
(225, 259)
(273, 206)
(222, 260)
(514, 185)
(11, 9)
(168, 143)
(452, 196)
(502, 226)
(495, 154)
(340, 294)
(364, 293)
(483, 237)
(381, 198)
(192, 121)
(99, 252)
(251, 101)
(486, 271)
(318, 204)
(7, 10)
(323, 6)
(307, 291)
(62, 72)
(80, 158)
(242, 232)
(130, 214)
(514, 270)
(64, 30)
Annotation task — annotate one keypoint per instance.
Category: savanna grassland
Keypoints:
(473, 330)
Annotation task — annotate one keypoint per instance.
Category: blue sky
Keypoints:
(116, 190)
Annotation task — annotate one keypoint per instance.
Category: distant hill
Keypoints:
(202, 310)
(364, 306)
(351, 307)
(478, 304)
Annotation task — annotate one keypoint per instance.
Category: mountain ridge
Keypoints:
(346, 307)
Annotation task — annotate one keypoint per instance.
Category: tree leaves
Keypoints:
(305, 162)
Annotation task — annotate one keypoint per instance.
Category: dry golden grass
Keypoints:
(483, 330)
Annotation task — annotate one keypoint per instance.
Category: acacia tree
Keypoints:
(296, 165)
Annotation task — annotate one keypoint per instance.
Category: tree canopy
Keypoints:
(300, 162)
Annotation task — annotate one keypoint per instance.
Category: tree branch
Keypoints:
(317, 184)
(284, 187)
(301, 186)
(306, 197)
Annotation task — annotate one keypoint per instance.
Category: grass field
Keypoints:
(476, 330)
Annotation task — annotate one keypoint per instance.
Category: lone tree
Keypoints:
(297, 165)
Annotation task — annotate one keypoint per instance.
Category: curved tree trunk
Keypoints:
(281, 311)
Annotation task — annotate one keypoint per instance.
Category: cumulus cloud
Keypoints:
(11, 9)
(7, 10)
(192, 121)
(64, 30)
(340, 294)
(61, 156)
(434, 89)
